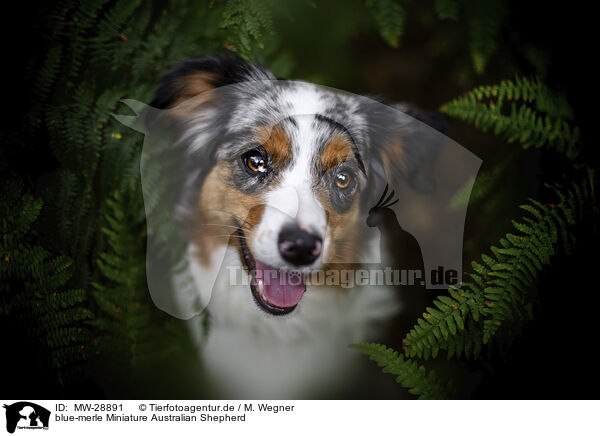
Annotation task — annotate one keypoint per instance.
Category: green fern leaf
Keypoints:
(410, 375)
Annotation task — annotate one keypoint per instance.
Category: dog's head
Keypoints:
(284, 171)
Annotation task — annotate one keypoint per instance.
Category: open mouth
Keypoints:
(276, 292)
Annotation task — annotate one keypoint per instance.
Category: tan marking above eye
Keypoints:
(336, 151)
(342, 180)
(276, 143)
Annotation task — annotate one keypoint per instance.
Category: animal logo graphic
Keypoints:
(384, 218)
(27, 415)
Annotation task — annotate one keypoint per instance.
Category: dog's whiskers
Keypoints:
(221, 225)
(223, 211)
(223, 236)
(234, 228)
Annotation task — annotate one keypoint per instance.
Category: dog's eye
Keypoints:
(255, 162)
(342, 180)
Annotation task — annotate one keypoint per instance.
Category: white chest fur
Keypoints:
(251, 354)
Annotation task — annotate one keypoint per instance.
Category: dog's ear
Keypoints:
(193, 102)
(194, 77)
(407, 146)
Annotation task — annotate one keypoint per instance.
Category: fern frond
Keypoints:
(523, 110)
(483, 22)
(500, 290)
(389, 17)
(446, 9)
(246, 23)
(409, 374)
(33, 292)
(439, 324)
(121, 293)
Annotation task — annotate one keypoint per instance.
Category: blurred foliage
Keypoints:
(33, 291)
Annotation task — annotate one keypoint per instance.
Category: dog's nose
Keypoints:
(299, 247)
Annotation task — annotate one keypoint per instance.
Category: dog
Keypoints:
(277, 181)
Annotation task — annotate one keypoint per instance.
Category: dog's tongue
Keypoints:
(281, 288)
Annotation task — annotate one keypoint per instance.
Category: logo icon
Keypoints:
(26, 415)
